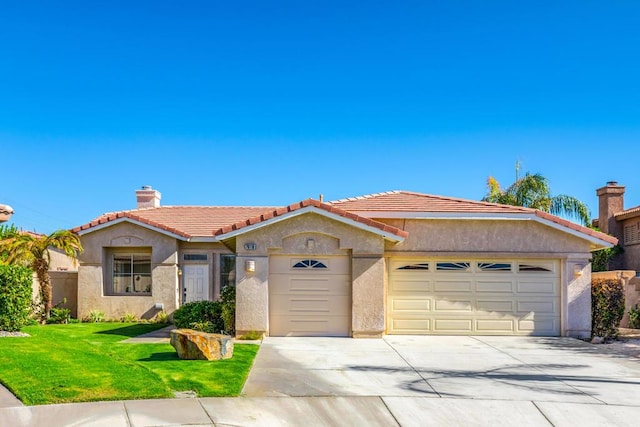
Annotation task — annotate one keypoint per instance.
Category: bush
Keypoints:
(607, 307)
(129, 318)
(228, 300)
(96, 316)
(15, 297)
(59, 315)
(162, 317)
(600, 259)
(634, 317)
(200, 314)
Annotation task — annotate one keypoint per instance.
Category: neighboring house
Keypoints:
(624, 224)
(63, 271)
(390, 263)
(5, 213)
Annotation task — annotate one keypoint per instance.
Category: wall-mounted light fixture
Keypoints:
(179, 272)
(577, 271)
(250, 266)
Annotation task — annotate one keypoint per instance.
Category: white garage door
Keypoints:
(309, 296)
(474, 297)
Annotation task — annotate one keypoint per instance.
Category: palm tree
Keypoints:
(532, 191)
(33, 251)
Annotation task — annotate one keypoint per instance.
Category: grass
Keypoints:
(86, 362)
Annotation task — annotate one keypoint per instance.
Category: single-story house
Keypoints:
(398, 262)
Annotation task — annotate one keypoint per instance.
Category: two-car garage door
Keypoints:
(474, 297)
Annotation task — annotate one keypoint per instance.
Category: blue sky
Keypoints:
(267, 103)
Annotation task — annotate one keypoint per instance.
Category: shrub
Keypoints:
(96, 316)
(607, 307)
(197, 312)
(228, 301)
(15, 297)
(162, 317)
(129, 318)
(634, 317)
(59, 315)
(600, 259)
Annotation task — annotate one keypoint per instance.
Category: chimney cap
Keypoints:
(612, 183)
(147, 187)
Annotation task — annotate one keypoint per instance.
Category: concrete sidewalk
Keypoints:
(397, 380)
(321, 411)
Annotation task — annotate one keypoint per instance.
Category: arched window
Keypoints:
(309, 263)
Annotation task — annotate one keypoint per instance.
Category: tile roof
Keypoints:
(629, 213)
(317, 204)
(209, 221)
(408, 201)
(185, 221)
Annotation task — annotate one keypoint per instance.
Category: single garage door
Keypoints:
(474, 297)
(309, 296)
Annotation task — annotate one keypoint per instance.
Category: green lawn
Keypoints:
(85, 362)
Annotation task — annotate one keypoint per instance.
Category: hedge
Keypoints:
(607, 307)
(15, 297)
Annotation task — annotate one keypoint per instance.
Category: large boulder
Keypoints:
(196, 345)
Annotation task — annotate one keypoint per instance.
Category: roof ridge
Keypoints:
(364, 196)
(434, 196)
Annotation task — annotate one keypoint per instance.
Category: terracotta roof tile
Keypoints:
(408, 201)
(206, 221)
(629, 213)
(306, 203)
(186, 221)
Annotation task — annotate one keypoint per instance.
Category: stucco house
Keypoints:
(397, 262)
(624, 224)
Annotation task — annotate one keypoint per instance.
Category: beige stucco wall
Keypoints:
(91, 277)
(485, 236)
(331, 237)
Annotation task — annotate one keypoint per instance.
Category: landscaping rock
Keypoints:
(196, 345)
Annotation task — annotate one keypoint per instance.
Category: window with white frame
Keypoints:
(131, 274)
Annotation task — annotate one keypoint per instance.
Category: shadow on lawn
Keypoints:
(165, 356)
(131, 331)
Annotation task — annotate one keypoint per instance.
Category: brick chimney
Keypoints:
(610, 202)
(147, 197)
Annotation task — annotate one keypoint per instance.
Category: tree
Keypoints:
(6, 231)
(33, 251)
(532, 191)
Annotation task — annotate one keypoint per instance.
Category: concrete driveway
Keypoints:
(449, 380)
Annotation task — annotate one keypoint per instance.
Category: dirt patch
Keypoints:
(628, 343)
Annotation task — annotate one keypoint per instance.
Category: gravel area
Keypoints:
(13, 334)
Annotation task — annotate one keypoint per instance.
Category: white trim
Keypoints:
(312, 209)
(131, 221)
(483, 216)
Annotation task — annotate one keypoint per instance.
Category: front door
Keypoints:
(195, 279)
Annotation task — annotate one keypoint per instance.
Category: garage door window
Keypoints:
(532, 268)
(309, 263)
(418, 266)
(453, 266)
(494, 267)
